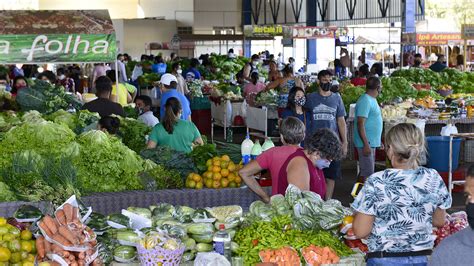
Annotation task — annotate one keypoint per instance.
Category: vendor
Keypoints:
(173, 132)
(103, 105)
(274, 73)
(47, 76)
(109, 124)
(251, 67)
(295, 107)
(287, 82)
(119, 95)
(143, 104)
(19, 83)
(300, 167)
(398, 207)
(176, 71)
(253, 88)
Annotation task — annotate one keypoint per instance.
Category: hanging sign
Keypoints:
(467, 31)
(436, 38)
(319, 32)
(265, 30)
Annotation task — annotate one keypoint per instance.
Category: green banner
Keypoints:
(51, 48)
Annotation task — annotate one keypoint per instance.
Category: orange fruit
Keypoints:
(197, 178)
(224, 164)
(232, 185)
(217, 176)
(199, 185)
(231, 177)
(238, 180)
(209, 183)
(224, 182)
(190, 183)
(225, 157)
(216, 163)
(207, 174)
(209, 169)
(216, 169)
(216, 184)
(224, 172)
(231, 167)
(209, 162)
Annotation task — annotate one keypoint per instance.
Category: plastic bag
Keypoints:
(243, 109)
(210, 259)
(228, 112)
(448, 130)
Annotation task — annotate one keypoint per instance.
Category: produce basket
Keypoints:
(151, 257)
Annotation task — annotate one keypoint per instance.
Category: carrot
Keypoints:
(75, 213)
(51, 224)
(61, 217)
(64, 231)
(61, 240)
(68, 211)
(42, 225)
(40, 247)
(47, 246)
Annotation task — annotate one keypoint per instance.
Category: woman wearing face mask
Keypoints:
(177, 72)
(295, 107)
(290, 164)
(398, 207)
(251, 67)
(66, 82)
(19, 83)
(457, 249)
(173, 132)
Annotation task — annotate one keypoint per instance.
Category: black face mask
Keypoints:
(470, 214)
(326, 86)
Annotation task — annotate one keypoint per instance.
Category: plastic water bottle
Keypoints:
(256, 150)
(221, 242)
(268, 144)
(246, 149)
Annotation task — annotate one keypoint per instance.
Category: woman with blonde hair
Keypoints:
(398, 207)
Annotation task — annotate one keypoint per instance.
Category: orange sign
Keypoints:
(436, 38)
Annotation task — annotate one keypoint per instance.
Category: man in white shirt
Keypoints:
(143, 103)
(121, 68)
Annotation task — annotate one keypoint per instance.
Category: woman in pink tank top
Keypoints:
(303, 168)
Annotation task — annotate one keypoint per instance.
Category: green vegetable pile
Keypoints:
(160, 177)
(272, 234)
(351, 94)
(133, 133)
(201, 154)
(171, 159)
(46, 98)
(105, 164)
(460, 82)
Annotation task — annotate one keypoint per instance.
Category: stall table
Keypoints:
(114, 202)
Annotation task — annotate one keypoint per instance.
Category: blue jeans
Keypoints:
(398, 261)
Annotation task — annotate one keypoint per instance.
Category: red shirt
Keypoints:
(317, 183)
(359, 81)
(272, 160)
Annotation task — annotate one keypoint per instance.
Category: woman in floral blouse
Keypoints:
(397, 208)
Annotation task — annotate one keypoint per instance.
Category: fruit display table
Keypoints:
(106, 203)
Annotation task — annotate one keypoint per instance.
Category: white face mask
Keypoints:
(179, 71)
(61, 77)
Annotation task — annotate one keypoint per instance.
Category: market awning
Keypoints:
(59, 36)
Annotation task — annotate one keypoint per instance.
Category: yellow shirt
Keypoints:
(122, 94)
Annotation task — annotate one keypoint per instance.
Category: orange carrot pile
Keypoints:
(316, 256)
(66, 232)
(283, 256)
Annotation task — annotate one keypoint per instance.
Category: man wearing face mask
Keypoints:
(177, 72)
(418, 60)
(327, 111)
(458, 248)
(251, 67)
(368, 127)
(143, 104)
(290, 164)
(66, 82)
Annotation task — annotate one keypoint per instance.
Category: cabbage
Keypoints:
(42, 137)
(280, 205)
(183, 214)
(162, 210)
(262, 210)
(65, 118)
(292, 194)
(106, 165)
(173, 230)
